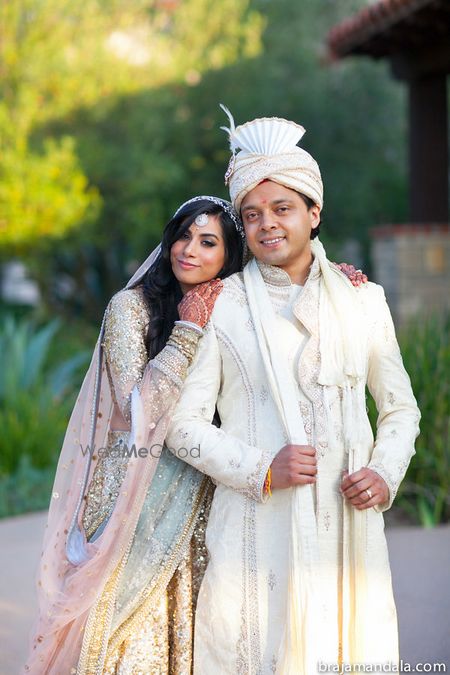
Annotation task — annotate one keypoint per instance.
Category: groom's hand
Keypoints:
(294, 465)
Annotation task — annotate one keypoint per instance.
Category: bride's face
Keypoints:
(199, 254)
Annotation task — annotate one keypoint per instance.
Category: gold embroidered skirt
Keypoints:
(163, 643)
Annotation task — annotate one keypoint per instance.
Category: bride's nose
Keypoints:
(190, 248)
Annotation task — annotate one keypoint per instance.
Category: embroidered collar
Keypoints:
(275, 276)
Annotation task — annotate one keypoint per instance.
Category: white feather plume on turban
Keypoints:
(268, 149)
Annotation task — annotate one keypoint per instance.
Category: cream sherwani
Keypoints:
(241, 608)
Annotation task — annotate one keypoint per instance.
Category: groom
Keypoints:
(298, 577)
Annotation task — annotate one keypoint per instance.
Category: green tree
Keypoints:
(136, 85)
(58, 56)
(76, 181)
(42, 195)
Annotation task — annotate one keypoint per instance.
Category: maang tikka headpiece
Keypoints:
(223, 203)
(201, 220)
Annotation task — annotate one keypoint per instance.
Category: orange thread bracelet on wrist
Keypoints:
(268, 482)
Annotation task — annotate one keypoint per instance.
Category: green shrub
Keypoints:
(426, 352)
(35, 400)
(27, 489)
(425, 491)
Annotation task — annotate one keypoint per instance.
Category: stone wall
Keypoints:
(412, 262)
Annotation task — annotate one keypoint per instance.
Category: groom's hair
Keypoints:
(309, 204)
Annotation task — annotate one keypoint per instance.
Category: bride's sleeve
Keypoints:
(164, 376)
(126, 323)
(126, 326)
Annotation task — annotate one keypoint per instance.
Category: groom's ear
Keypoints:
(314, 213)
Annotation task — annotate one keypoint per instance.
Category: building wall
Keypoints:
(413, 265)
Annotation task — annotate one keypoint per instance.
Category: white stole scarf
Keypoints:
(342, 364)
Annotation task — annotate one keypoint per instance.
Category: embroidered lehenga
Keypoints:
(124, 553)
(152, 626)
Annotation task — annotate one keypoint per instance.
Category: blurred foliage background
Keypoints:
(109, 119)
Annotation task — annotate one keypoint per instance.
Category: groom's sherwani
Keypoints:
(241, 608)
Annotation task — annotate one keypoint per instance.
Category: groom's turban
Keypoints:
(267, 149)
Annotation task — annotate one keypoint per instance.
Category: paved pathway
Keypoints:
(420, 561)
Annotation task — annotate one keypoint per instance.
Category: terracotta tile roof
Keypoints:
(353, 33)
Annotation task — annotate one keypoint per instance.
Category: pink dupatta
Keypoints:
(73, 572)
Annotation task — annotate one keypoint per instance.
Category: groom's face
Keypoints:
(278, 224)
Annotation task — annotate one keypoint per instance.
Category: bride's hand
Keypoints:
(356, 276)
(198, 303)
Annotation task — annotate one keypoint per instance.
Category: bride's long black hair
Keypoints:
(161, 289)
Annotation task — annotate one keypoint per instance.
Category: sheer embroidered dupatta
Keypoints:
(76, 575)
